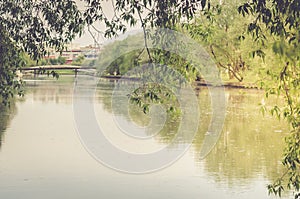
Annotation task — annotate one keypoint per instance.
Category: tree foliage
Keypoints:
(34, 26)
(31, 27)
(221, 31)
(153, 13)
(281, 19)
(10, 60)
(78, 61)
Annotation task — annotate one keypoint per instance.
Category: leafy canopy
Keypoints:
(34, 26)
(281, 19)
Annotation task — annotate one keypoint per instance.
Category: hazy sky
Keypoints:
(86, 38)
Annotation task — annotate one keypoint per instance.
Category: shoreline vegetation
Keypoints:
(229, 84)
(226, 84)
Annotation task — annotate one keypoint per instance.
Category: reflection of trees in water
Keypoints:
(6, 115)
(134, 113)
(250, 143)
(58, 91)
(104, 93)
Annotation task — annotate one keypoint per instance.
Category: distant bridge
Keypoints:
(37, 69)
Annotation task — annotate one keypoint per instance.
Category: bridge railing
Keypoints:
(37, 69)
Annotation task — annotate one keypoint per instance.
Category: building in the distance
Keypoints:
(90, 52)
(73, 51)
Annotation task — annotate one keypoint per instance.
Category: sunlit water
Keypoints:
(42, 156)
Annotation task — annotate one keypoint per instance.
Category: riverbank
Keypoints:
(240, 85)
(227, 84)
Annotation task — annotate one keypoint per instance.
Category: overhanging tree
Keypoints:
(281, 19)
(10, 60)
(33, 26)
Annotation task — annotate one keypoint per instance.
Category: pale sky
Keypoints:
(86, 38)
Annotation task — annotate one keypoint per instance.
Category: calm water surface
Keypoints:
(41, 155)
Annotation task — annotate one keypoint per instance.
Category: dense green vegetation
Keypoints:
(28, 61)
(280, 20)
(255, 41)
(30, 27)
(223, 33)
(10, 60)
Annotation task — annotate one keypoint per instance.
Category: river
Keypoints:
(43, 156)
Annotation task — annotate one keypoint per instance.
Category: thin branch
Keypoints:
(144, 6)
(97, 30)
(114, 8)
(283, 73)
(145, 35)
(140, 53)
(93, 36)
(235, 74)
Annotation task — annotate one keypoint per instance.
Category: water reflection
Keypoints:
(6, 115)
(250, 144)
(48, 90)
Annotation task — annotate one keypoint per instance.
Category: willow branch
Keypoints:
(145, 35)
